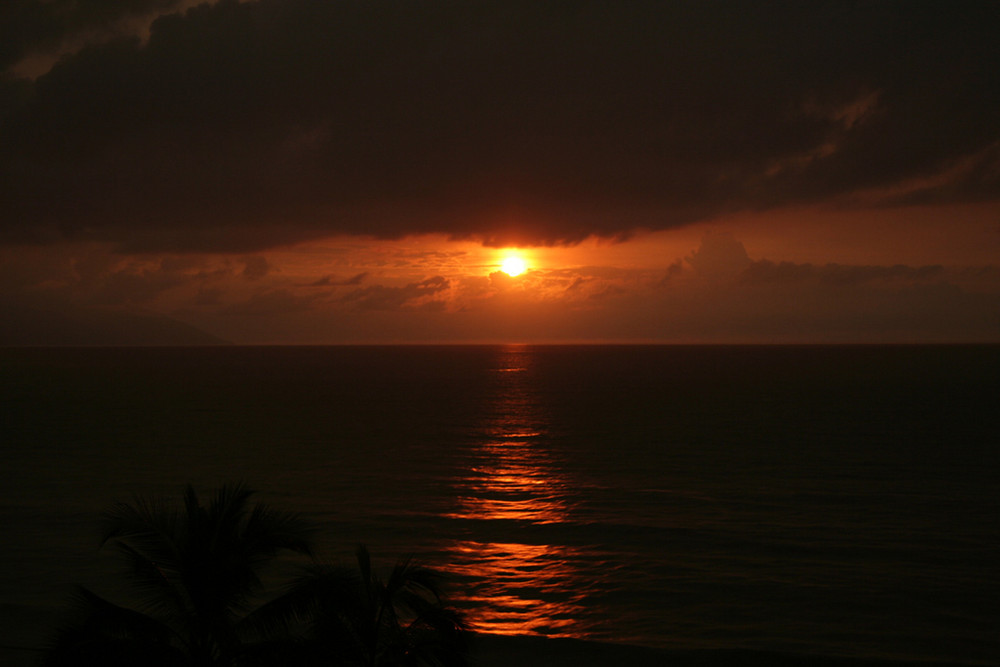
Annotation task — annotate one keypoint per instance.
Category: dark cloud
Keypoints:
(719, 255)
(128, 286)
(765, 271)
(333, 281)
(237, 126)
(256, 267)
(29, 27)
(208, 296)
(382, 297)
(269, 303)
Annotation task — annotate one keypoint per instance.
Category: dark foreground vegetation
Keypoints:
(198, 597)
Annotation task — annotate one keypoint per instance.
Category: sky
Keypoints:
(323, 172)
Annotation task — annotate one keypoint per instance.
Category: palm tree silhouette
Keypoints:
(195, 575)
(355, 617)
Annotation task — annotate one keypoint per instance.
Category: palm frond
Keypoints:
(319, 592)
(105, 617)
(157, 585)
(101, 632)
(196, 572)
(267, 531)
(148, 526)
(408, 576)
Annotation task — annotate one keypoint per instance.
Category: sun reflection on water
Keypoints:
(512, 480)
(515, 481)
(521, 588)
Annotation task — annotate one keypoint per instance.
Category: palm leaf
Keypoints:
(195, 573)
(101, 632)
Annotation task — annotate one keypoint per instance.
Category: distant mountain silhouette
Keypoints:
(26, 325)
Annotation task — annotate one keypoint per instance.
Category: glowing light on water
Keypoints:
(521, 588)
(514, 477)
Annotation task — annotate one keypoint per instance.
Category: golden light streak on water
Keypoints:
(514, 476)
(527, 589)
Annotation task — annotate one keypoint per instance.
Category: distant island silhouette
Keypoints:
(84, 327)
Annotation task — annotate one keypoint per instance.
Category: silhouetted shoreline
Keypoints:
(532, 651)
(25, 632)
(535, 651)
(524, 651)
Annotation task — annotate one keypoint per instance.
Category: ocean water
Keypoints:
(840, 501)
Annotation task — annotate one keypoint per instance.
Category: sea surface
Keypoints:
(808, 500)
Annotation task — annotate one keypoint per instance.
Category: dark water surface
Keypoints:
(812, 500)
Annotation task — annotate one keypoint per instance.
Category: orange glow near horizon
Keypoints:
(412, 259)
(642, 288)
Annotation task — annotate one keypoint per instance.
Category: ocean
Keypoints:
(803, 500)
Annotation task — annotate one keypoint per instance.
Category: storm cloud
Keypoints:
(237, 126)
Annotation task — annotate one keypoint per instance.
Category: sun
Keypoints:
(513, 265)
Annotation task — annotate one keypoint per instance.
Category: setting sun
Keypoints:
(513, 265)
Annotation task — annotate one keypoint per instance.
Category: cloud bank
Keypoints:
(239, 126)
(715, 293)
